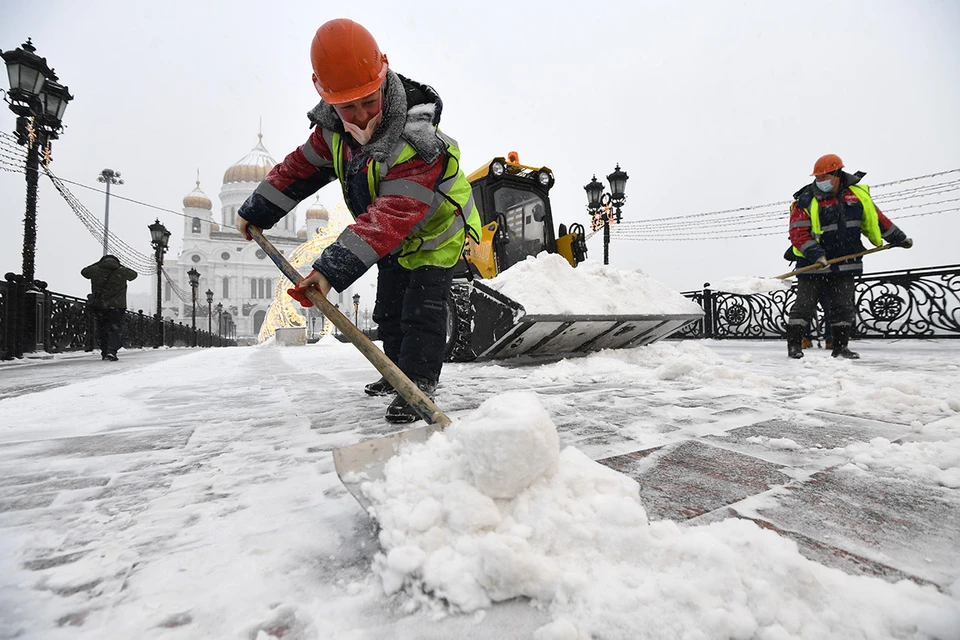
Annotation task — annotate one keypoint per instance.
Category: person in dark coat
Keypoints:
(827, 220)
(108, 301)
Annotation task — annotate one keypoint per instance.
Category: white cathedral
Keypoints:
(240, 275)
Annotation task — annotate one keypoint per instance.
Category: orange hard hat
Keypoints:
(347, 63)
(827, 164)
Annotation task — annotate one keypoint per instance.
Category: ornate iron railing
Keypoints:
(34, 319)
(915, 303)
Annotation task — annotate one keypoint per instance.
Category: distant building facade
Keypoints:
(240, 275)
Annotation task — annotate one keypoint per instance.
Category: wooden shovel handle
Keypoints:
(404, 386)
(840, 259)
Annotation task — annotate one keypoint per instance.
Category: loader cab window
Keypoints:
(524, 218)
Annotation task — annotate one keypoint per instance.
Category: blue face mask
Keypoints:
(825, 185)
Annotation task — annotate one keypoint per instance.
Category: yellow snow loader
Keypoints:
(482, 323)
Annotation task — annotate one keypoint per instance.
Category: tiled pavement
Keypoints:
(861, 522)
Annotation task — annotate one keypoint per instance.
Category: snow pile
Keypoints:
(575, 538)
(938, 461)
(745, 285)
(546, 284)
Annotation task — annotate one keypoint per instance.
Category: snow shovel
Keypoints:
(840, 259)
(364, 461)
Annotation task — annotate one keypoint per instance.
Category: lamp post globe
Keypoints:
(356, 308)
(159, 239)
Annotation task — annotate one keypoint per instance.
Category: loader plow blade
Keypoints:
(501, 328)
(363, 462)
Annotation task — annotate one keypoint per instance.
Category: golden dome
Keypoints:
(253, 167)
(302, 234)
(317, 212)
(197, 199)
(214, 226)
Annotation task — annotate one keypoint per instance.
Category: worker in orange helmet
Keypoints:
(376, 132)
(827, 220)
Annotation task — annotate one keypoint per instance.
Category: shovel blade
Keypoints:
(364, 461)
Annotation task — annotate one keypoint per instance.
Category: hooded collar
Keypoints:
(410, 111)
(809, 191)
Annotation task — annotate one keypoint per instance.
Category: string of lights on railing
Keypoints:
(763, 217)
(779, 205)
(187, 298)
(7, 139)
(129, 256)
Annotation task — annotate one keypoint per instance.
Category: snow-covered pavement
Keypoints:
(191, 494)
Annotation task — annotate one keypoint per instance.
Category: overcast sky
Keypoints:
(707, 105)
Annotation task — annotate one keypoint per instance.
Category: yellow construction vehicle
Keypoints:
(482, 323)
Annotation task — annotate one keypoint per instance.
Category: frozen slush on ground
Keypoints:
(547, 284)
(490, 510)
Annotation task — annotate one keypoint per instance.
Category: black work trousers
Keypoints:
(411, 316)
(839, 289)
(109, 329)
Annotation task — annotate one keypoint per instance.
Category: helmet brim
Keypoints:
(349, 95)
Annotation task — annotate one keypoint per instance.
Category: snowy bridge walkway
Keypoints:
(188, 494)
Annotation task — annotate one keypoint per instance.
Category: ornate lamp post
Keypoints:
(356, 309)
(599, 205)
(209, 312)
(220, 319)
(194, 276)
(108, 177)
(159, 238)
(39, 101)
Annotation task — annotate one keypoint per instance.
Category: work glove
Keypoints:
(822, 263)
(242, 228)
(299, 292)
(906, 244)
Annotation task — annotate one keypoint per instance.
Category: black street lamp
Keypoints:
(220, 319)
(159, 238)
(108, 177)
(356, 309)
(604, 207)
(39, 101)
(209, 312)
(194, 276)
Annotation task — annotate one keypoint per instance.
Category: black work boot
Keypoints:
(841, 336)
(379, 388)
(400, 411)
(795, 341)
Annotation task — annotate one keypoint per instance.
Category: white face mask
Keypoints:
(362, 135)
(825, 185)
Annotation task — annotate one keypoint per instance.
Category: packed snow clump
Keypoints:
(508, 447)
(490, 510)
(547, 284)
